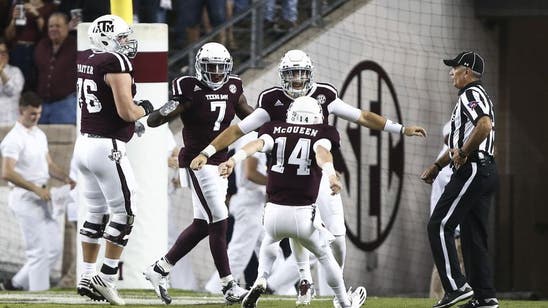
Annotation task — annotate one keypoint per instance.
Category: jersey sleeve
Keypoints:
(179, 88)
(264, 134)
(324, 142)
(474, 105)
(330, 133)
(253, 121)
(343, 110)
(117, 63)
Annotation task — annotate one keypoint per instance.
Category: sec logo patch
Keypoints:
(321, 99)
(232, 89)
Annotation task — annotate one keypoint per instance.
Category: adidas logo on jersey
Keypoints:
(197, 88)
(278, 103)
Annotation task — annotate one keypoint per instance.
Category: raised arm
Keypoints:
(168, 111)
(226, 168)
(372, 120)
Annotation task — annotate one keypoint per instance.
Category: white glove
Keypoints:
(139, 128)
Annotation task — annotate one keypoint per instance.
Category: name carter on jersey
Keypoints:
(296, 130)
(85, 69)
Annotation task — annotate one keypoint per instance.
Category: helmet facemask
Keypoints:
(213, 65)
(296, 81)
(126, 46)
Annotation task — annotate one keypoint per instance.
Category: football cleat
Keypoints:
(358, 297)
(107, 290)
(252, 297)
(233, 293)
(158, 282)
(84, 288)
(305, 293)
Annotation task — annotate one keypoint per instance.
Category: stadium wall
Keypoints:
(377, 44)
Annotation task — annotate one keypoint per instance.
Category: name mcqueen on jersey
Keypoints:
(296, 130)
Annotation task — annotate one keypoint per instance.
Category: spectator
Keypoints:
(146, 10)
(55, 58)
(91, 9)
(27, 165)
(289, 15)
(11, 84)
(4, 15)
(23, 38)
(191, 14)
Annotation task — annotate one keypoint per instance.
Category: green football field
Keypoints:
(147, 298)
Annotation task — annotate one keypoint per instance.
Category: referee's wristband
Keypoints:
(208, 151)
(393, 127)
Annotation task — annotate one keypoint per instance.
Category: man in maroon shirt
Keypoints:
(55, 58)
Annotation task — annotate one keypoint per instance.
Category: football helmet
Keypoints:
(213, 65)
(110, 33)
(304, 110)
(295, 71)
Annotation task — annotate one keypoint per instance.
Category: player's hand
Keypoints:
(168, 107)
(414, 131)
(226, 168)
(43, 193)
(146, 105)
(458, 160)
(334, 184)
(429, 174)
(70, 182)
(139, 128)
(198, 162)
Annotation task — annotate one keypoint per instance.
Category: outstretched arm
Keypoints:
(167, 112)
(372, 120)
(226, 168)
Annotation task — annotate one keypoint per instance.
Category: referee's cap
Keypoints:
(469, 59)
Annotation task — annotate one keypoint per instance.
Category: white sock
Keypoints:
(89, 268)
(111, 262)
(164, 265)
(226, 279)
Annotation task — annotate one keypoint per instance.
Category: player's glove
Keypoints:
(139, 128)
(146, 104)
(168, 107)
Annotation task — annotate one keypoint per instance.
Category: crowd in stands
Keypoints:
(38, 42)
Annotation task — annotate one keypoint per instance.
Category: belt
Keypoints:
(481, 157)
(92, 135)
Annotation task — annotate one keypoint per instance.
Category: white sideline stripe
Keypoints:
(133, 299)
(444, 221)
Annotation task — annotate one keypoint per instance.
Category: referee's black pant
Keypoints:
(465, 202)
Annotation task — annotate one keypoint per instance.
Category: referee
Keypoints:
(467, 196)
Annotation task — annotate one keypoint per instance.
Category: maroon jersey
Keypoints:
(276, 102)
(293, 174)
(99, 115)
(207, 113)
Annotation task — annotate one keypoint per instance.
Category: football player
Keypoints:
(300, 149)
(105, 91)
(206, 104)
(296, 74)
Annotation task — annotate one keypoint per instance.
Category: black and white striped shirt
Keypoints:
(473, 103)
